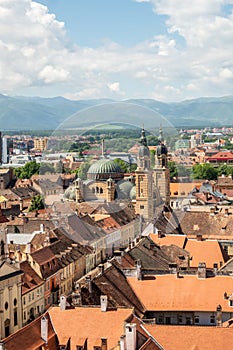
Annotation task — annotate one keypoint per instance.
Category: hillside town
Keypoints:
(123, 250)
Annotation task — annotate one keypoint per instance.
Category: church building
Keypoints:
(145, 190)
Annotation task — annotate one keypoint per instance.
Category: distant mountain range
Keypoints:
(35, 113)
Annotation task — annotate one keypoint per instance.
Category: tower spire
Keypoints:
(161, 138)
(143, 139)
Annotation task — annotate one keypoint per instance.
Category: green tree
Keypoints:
(223, 170)
(37, 203)
(82, 170)
(205, 171)
(26, 171)
(122, 164)
(173, 170)
(152, 158)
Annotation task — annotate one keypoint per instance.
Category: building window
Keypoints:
(15, 317)
(29, 297)
(180, 318)
(141, 206)
(24, 301)
(6, 305)
(160, 319)
(24, 315)
(196, 319)
(212, 319)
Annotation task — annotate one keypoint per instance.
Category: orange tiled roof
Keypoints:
(91, 323)
(222, 154)
(207, 251)
(29, 337)
(183, 188)
(30, 279)
(191, 337)
(178, 240)
(167, 292)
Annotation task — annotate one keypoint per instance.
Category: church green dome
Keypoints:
(103, 169)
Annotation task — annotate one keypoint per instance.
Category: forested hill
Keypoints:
(34, 113)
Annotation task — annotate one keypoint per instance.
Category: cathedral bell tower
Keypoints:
(144, 194)
(161, 171)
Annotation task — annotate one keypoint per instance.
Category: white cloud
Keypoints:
(114, 87)
(50, 74)
(193, 58)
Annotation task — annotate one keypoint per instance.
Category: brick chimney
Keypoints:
(104, 344)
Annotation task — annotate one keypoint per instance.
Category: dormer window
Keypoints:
(230, 302)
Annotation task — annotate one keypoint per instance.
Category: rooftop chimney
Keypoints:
(104, 344)
(131, 336)
(117, 255)
(122, 342)
(89, 283)
(215, 268)
(44, 329)
(219, 316)
(101, 268)
(139, 269)
(63, 303)
(201, 270)
(173, 268)
(103, 303)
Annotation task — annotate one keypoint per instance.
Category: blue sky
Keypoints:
(119, 49)
(91, 22)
